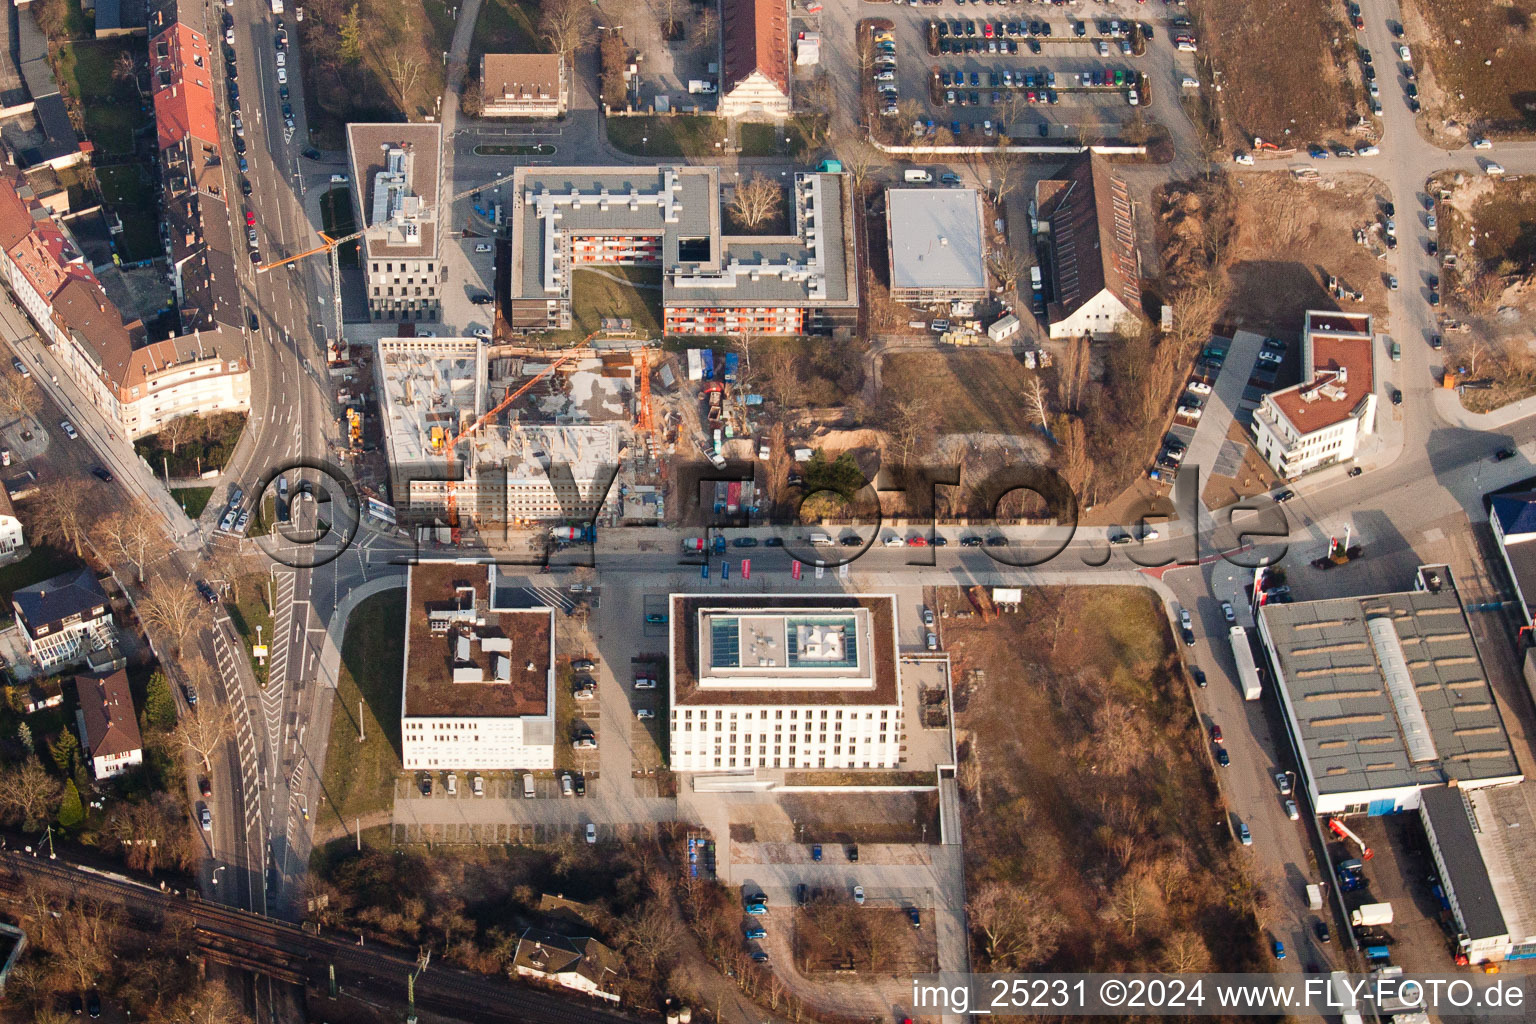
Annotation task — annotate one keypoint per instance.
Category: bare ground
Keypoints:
(1478, 64)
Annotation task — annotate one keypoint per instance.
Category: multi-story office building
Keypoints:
(479, 669)
(784, 681)
(1320, 421)
(397, 170)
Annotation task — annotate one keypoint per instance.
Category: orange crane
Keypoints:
(645, 422)
(451, 501)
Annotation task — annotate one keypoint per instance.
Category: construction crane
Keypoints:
(1343, 831)
(645, 422)
(451, 501)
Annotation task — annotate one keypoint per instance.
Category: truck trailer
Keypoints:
(1371, 914)
(1247, 671)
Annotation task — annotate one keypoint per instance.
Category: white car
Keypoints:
(282, 59)
(1290, 810)
(229, 35)
(1199, 387)
(207, 819)
(886, 76)
(894, 542)
(645, 684)
(591, 834)
(858, 895)
(1494, 169)
(645, 713)
(69, 429)
(1246, 159)
(1369, 150)
(1190, 412)
(1405, 53)
(478, 785)
(1431, 222)
(1374, 89)
(1150, 533)
(1482, 144)
(933, 641)
(1227, 612)
(243, 523)
(1392, 282)
(282, 76)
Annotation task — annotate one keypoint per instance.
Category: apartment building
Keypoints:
(479, 670)
(1320, 421)
(13, 544)
(566, 218)
(66, 619)
(523, 85)
(108, 727)
(1087, 221)
(784, 681)
(397, 170)
(754, 60)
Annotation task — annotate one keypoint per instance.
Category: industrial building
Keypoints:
(784, 681)
(565, 218)
(1320, 421)
(1386, 696)
(1086, 219)
(1513, 517)
(937, 245)
(397, 170)
(479, 666)
(505, 473)
(523, 85)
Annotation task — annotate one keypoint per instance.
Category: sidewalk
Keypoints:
(1448, 406)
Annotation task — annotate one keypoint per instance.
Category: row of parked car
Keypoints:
(885, 70)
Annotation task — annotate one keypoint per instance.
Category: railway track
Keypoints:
(287, 953)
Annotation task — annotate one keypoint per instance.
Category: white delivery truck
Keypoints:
(1247, 671)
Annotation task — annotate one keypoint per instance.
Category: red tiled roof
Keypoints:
(1333, 402)
(754, 36)
(107, 707)
(183, 87)
(15, 217)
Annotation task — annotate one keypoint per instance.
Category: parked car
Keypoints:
(101, 474)
(1223, 758)
(1243, 835)
(858, 895)
(69, 429)
(591, 834)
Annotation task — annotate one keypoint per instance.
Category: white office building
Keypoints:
(479, 669)
(784, 681)
(1320, 421)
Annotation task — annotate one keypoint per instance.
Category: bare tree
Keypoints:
(858, 158)
(706, 27)
(757, 200)
(85, 929)
(19, 395)
(210, 1004)
(1007, 264)
(910, 423)
(173, 608)
(566, 24)
(1037, 399)
(58, 515)
(233, 569)
(1007, 171)
(1133, 901)
(746, 376)
(666, 14)
(1185, 952)
(1072, 371)
(203, 733)
(28, 793)
(781, 374)
(131, 533)
(404, 72)
(1019, 925)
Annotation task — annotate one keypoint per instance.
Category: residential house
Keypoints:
(109, 730)
(582, 964)
(66, 619)
(13, 545)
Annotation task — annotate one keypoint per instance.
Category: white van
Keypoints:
(821, 540)
(528, 785)
(453, 784)
(339, 179)
(917, 177)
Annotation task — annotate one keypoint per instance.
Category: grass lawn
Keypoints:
(193, 499)
(1505, 222)
(113, 108)
(974, 391)
(761, 140)
(340, 220)
(505, 26)
(594, 296)
(43, 563)
(666, 134)
(360, 777)
(210, 448)
(129, 189)
(247, 614)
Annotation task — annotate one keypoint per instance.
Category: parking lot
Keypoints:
(1029, 70)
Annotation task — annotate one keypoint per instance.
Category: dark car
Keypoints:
(774, 542)
(310, 153)
(581, 784)
(1503, 453)
(1188, 635)
(1432, 247)
(101, 474)
(853, 854)
(800, 894)
(205, 787)
(997, 540)
(970, 542)
(851, 541)
(1435, 342)
(255, 257)
(255, 324)
(1223, 758)
(1285, 495)
(76, 1005)
(245, 186)
(426, 785)
(1323, 934)
(282, 92)
(915, 916)
(287, 109)
(1389, 209)
(191, 696)
(239, 144)
(481, 300)
(1199, 676)
(939, 542)
(234, 91)
(744, 542)
(1397, 397)
(206, 592)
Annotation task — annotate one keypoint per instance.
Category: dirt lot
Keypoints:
(982, 392)
(834, 934)
(1492, 287)
(1093, 824)
(864, 818)
(1279, 69)
(1488, 82)
(1288, 238)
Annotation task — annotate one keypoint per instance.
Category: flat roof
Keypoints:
(1505, 818)
(936, 238)
(1341, 376)
(399, 207)
(1447, 812)
(872, 680)
(1405, 706)
(427, 383)
(464, 657)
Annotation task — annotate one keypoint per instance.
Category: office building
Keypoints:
(397, 171)
(1321, 421)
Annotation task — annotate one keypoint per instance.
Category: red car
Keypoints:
(250, 218)
(987, 29)
(1215, 734)
(917, 542)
